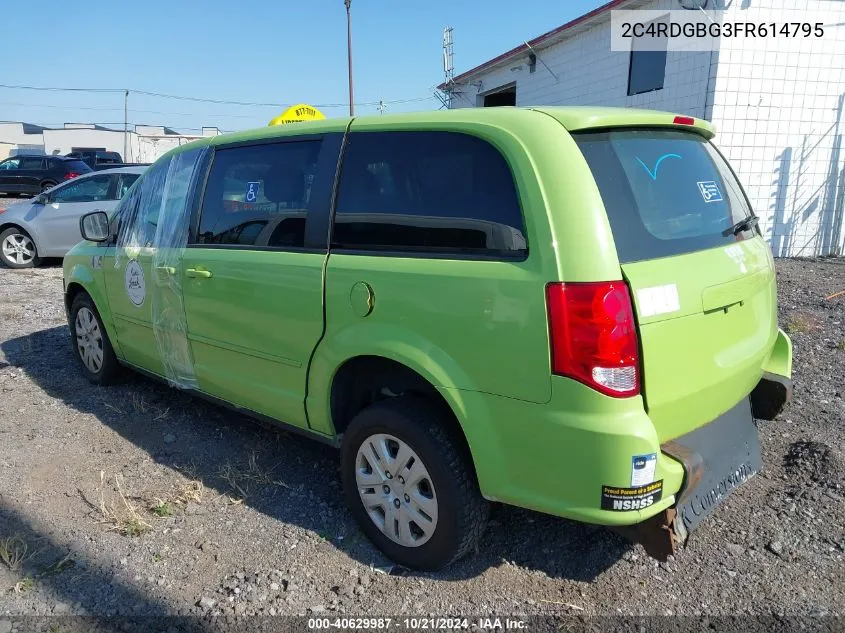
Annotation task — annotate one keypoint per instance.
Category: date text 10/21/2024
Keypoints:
(416, 624)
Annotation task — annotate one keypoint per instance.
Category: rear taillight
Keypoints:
(71, 174)
(593, 336)
(684, 120)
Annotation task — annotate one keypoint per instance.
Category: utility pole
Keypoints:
(348, 4)
(126, 126)
(382, 106)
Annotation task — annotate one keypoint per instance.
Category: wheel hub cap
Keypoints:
(396, 490)
(89, 340)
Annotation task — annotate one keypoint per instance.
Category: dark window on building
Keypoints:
(647, 70)
(259, 195)
(430, 192)
(505, 97)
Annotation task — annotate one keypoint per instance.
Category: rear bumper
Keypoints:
(775, 387)
(717, 458)
(770, 396)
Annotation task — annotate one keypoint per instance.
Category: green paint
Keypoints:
(270, 330)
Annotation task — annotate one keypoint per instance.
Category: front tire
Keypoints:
(91, 345)
(17, 249)
(410, 483)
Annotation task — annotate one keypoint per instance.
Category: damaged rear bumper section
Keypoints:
(717, 458)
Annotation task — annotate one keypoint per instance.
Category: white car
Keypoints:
(48, 224)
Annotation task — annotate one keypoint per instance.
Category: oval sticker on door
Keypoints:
(133, 281)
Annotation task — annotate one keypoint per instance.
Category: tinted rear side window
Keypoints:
(32, 163)
(428, 192)
(259, 195)
(666, 192)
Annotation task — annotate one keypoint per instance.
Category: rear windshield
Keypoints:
(666, 192)
(108, 157)
(76, 165)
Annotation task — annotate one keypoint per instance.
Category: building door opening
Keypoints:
(506, 97)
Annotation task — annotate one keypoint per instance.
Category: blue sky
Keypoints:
(251, 50)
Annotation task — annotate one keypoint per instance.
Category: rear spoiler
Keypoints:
(594, 119)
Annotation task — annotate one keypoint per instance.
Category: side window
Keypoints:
(92, 189)
(433, 192)
(12, 163)
(32, 163)
(259, 195)
(124, 182)
(140, 211)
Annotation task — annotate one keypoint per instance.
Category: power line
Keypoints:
(120, 123)
(73, 107)
(162, 95)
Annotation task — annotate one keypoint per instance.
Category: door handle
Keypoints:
(193, 272)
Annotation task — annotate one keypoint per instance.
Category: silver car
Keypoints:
(48, 224)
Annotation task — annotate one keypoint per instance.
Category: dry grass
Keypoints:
(14, 552)
(22, 586)
(190, 491)
(165, 506)
(123, 518)
(243, 480)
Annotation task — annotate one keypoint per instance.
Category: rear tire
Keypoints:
(91, 345)
(423, 506)
(18, 249)
(47, 184)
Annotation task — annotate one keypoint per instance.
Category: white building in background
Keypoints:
(142, 144)
(779, 116)
(20, 138)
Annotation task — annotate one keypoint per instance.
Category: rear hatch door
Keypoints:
(702, 283)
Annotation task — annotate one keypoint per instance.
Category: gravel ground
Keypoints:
(5, 201)
(136, 499)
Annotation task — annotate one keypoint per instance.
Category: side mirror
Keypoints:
(95, 226)
(41, 198)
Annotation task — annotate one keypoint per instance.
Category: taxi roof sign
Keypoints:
(297, 113)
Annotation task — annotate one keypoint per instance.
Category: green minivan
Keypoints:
(570, 310)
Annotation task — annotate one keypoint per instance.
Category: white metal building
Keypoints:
(778, 115)
(142, 144)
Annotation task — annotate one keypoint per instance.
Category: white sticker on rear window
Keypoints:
(642, 469)
(709, 191)
(658, 300)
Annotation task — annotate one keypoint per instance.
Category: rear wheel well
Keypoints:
(365, 380)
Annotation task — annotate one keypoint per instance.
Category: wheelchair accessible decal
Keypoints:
(252, 191)
(133, 281)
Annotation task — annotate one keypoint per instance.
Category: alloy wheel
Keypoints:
(18, 249)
